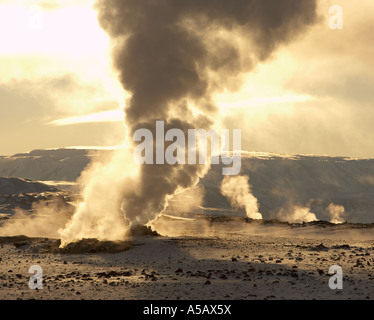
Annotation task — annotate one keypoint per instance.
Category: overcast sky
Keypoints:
(58, 88)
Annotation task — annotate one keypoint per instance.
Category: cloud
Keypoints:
(27, 106)
(267, 100)
(50, 96)
(105, 116)
(335, 68)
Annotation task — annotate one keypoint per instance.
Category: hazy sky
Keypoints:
(58, 88)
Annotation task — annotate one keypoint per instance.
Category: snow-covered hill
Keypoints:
(314, 182)
(23, 193)
(277, 181)
(46, 165)
(9, 186)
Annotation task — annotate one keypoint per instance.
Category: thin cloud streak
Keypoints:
(264, 101)
(97, 117)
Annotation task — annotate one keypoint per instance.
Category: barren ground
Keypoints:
(221, 260)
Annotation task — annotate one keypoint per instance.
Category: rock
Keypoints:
(143, 231)
(343, 246)
(20, 245)
(113, 273)
(93, 246)
(320, 247)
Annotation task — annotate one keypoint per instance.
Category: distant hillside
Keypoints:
(23, 193)
(46, 165)
(277, 181)
(9, 186)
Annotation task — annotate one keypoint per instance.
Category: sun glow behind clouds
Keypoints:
(51, 38)
(258, 102)
(70, 30)
(55, 63)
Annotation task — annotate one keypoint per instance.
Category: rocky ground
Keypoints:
(229, 260)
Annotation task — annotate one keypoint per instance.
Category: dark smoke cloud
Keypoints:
(147, 196)
(172, 52)
(163, 52)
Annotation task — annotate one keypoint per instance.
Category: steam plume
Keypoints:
(296, 214)
(44, 221)
(336, 212)
(237, 190)
(172, 56)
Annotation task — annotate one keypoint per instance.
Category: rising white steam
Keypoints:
(237, 190)
(99, 215)
(44, 220)
(296, 214)
(336, 213)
